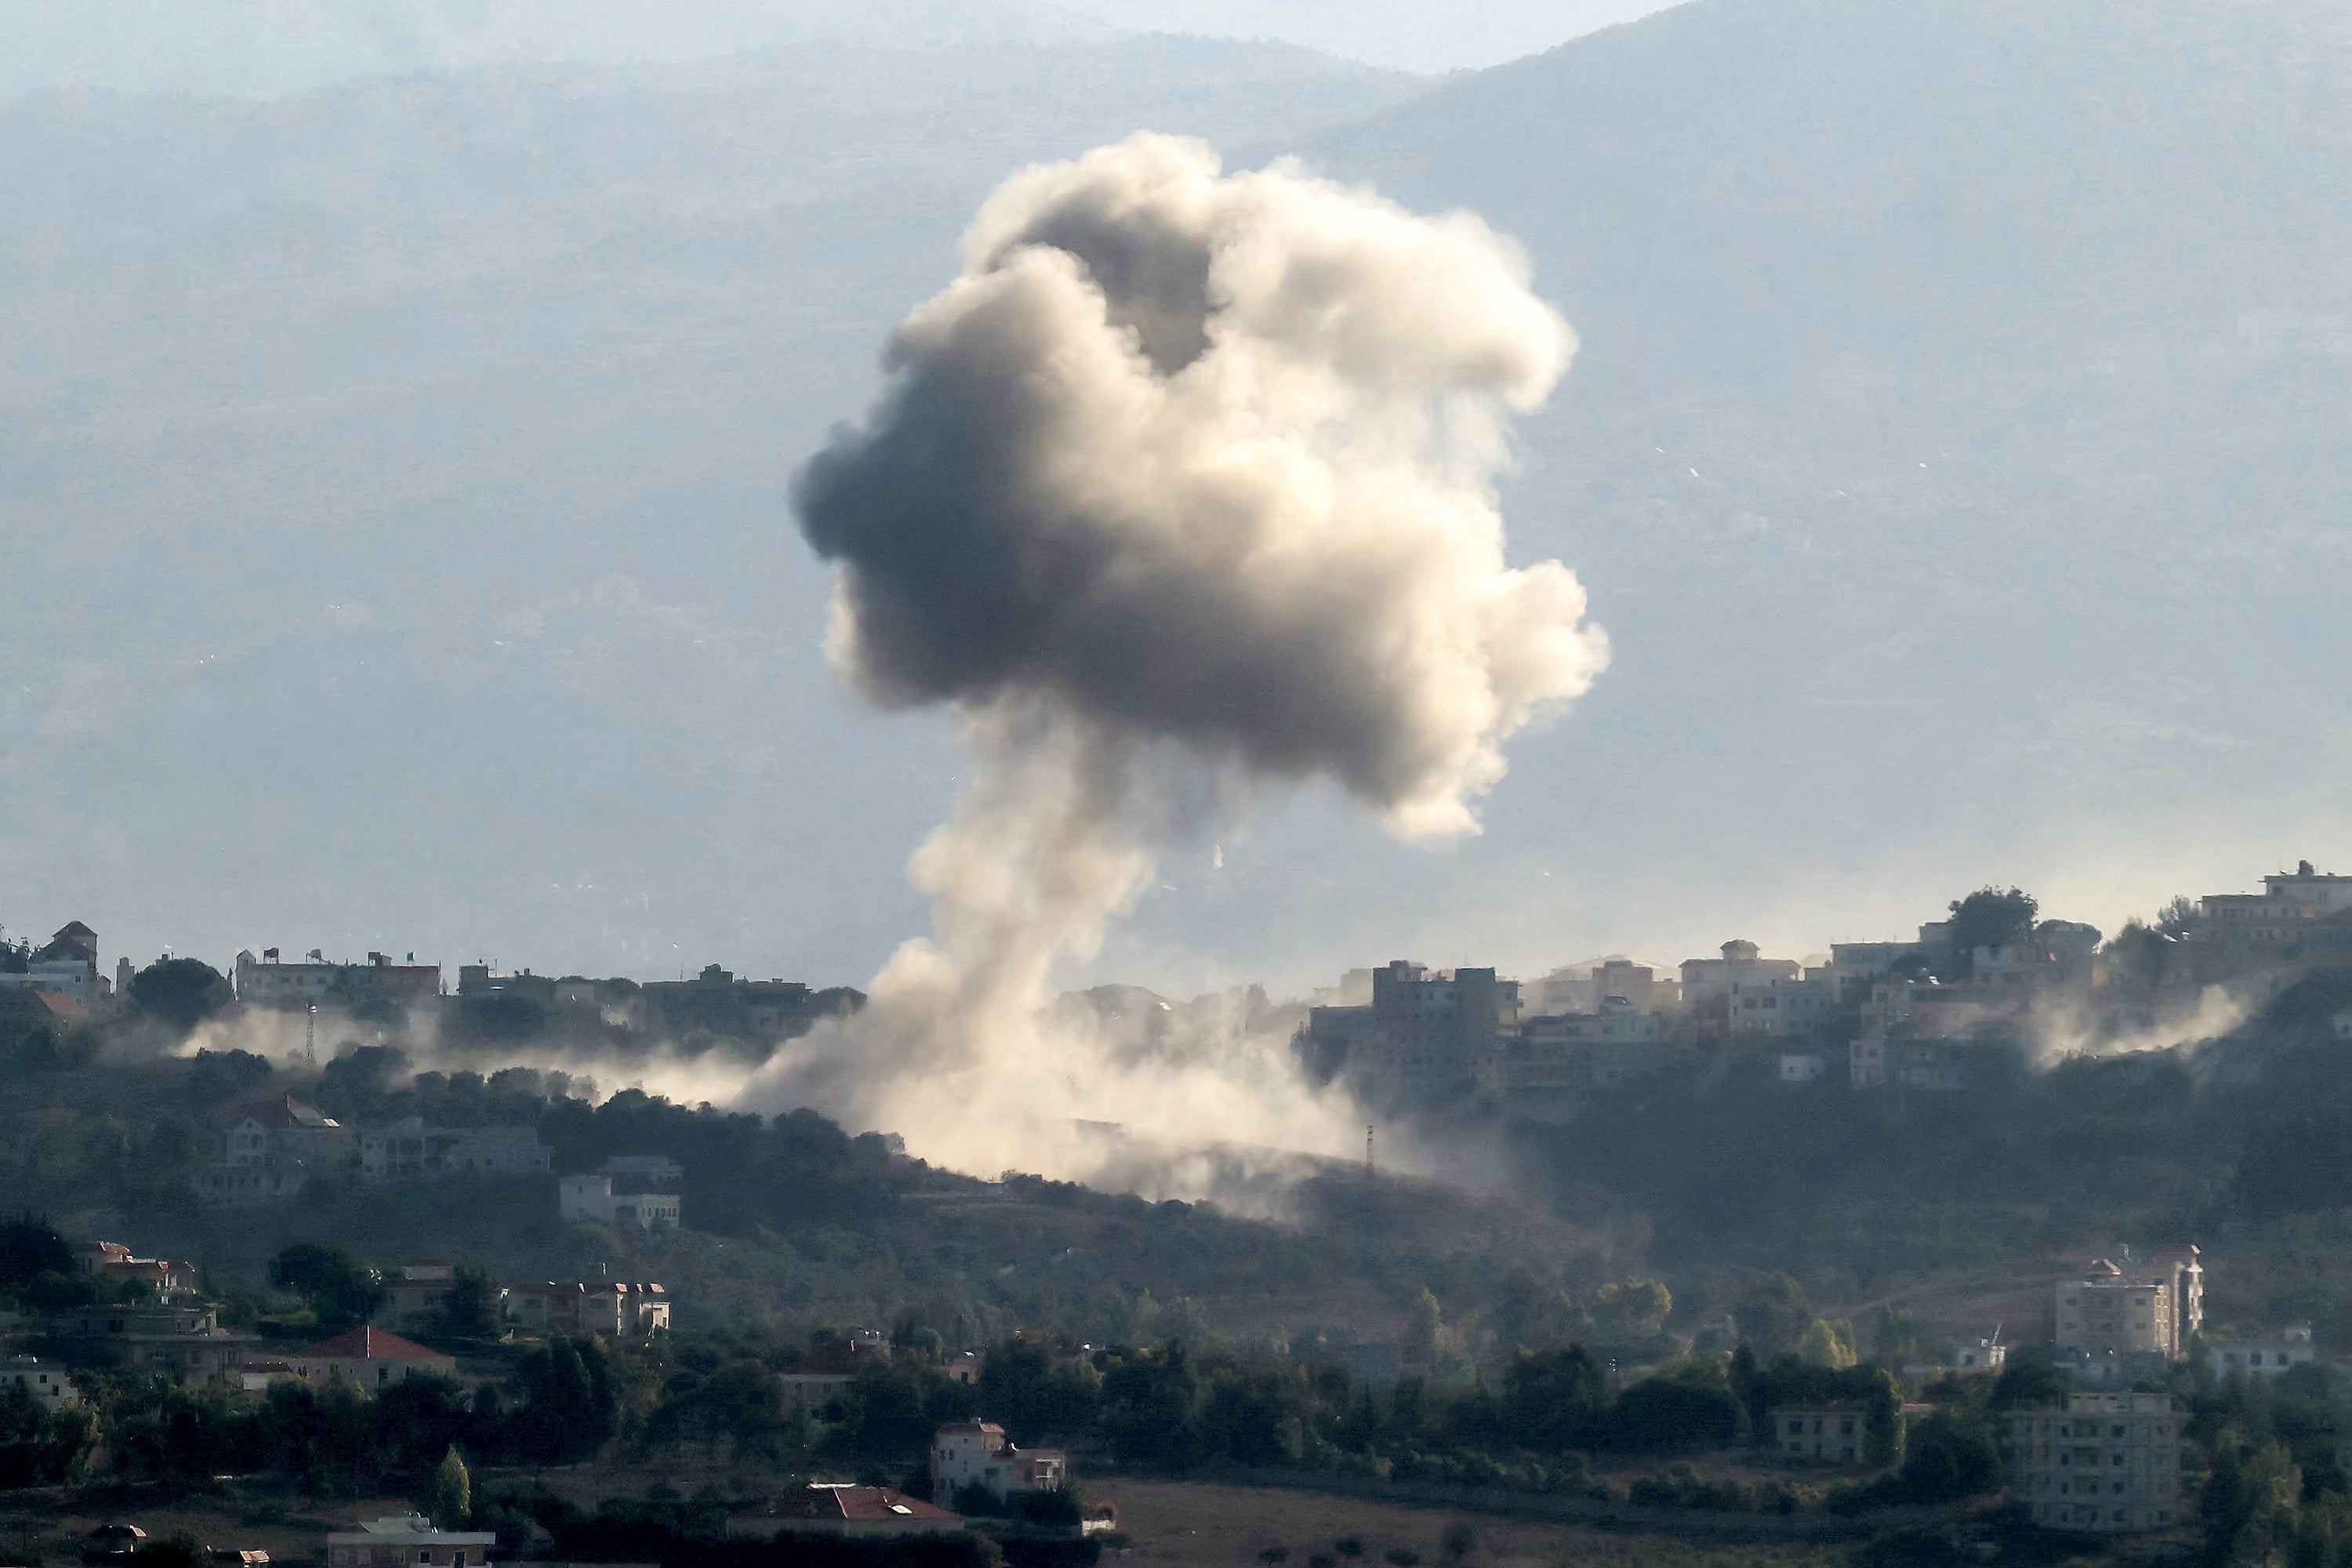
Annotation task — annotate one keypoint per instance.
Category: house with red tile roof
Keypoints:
(368, 1358)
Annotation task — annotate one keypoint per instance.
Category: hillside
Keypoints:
(1952, 453)
(447, 420)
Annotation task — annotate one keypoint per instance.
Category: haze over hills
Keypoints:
(1954, 456)
(264, 48)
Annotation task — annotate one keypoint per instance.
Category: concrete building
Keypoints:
(615, 1308)
(112, 1260)
(1708, 982)
(854, 1511)
(273, 1152)
(182, 1336)
(2110, 1313)
(1803, 1067)
(1425, 1033)
(368, 1359)
(65, 966)
(591, 1198)
(1554, 1059)
(2108, 1463)
(2152, 1308)
(823, 1375)
(1867, 1060)
(410, 1151)
(1777, 1005)
(976, 1454)
(46, 1384)
(413, 1295)
(408, 1541)
(380, 982)
(1832, 1435)
(717, 1002)
(2261, 1358)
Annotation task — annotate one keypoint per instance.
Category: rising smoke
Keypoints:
(1184, 486)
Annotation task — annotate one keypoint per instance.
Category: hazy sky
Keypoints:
(394, 550)
(262, 47)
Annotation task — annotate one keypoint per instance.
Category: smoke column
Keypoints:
(1183, 488)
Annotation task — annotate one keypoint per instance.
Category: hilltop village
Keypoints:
(336, 1273)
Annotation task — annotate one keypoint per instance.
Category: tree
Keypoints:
(1773, 1315)
(180, 992)
(1822, 1346)
(469, 1307)
(448, 1499)
(2178, 918)
(342, 1291)
(2138, 955)
(1991, 918)
(29, 1248)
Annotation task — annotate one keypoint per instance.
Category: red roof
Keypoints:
(66, 1008)
(861, 1504)
(371, 1345)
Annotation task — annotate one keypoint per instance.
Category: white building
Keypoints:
(50, 1388)
(408, 1541)
(410, 1151)
(976, 1454)
(272, 1153)
(265, 982)
(1867, 1060)
(1710, 980)
(1834, 1435)
(591, 1198)
(367, 1359)
(2108, 1463)
(822, 1509)
(67, 977)
(2261, 1358)
(1802, 1067)
(1775, 1004)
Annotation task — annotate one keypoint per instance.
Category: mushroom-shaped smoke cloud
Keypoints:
(1184, 484)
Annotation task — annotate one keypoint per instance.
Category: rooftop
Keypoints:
(370, 1344)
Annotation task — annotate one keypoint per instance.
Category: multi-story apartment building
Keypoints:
(410, 1151)
(273, 1150)
(265, 982)
(977, 1454)
(1425, 1033)
(2108, 1463)
(2151, 1308)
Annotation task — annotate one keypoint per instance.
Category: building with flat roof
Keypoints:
(2108, 1463)
(408, 1541)
(977, 1454)
(2290, 1349)
(855, 1511)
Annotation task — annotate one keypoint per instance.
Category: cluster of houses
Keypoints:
(1925, 1014)
(966, 1457)
(168, 1326)
(279, 1146)
(63, 977)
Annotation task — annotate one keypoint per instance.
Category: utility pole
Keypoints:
(1367, 1151)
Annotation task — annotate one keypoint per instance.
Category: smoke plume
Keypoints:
(1183, 486)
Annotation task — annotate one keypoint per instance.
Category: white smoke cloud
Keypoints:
(1185, 485)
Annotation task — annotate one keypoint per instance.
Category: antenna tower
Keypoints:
(310, 1037)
